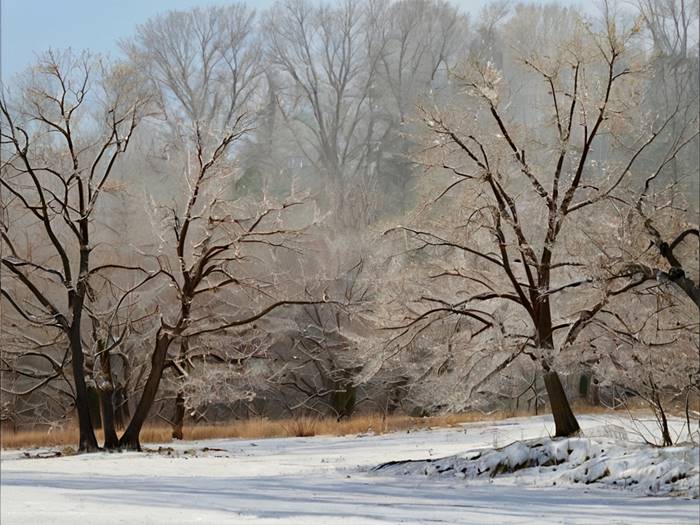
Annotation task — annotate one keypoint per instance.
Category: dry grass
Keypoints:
(38, 438)
(257, 428)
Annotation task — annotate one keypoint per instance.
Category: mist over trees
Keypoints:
(371, 205)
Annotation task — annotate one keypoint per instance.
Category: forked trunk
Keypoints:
(564, 420)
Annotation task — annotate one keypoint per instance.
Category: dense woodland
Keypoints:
(360, 206)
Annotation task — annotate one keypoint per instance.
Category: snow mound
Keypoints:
(539, 462)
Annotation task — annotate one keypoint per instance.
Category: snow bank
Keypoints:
(613, 463)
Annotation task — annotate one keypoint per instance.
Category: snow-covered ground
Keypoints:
(322, 480)
(607, 462)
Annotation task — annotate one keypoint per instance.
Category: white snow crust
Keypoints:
(330, 480)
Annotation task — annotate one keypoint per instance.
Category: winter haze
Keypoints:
(365, 261)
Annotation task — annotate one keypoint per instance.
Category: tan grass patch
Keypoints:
(257, 428)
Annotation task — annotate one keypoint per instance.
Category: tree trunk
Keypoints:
(106, 392)
(87, 441)
(121, 407)
(107, 405)
(130, 438)
(564, 420)
(94, 406)
(660, 414)
(665, 434)
(179, 418)
(76, 300)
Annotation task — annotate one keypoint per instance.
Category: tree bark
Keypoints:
(121, 407)
(76, 300)
(106, 390)
(660, 413)
(564, 420)
(130, 439)
(179, 418)
(108, 421)
(87, 441)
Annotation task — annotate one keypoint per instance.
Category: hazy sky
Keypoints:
(32, 26)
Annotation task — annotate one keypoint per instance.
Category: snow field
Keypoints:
(328, 480)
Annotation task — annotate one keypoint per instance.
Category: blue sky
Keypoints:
(32, 26)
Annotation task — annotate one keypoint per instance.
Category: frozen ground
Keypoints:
(316, 481)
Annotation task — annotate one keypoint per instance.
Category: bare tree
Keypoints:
(670, 23)
(423, 39)
(419, 42)
(330, 55)
(318, 361)
(528, 186)
(671, 27)
(666, 266)
(204, 62)
(56, 165)
(214, 249)
(208, 246)
(649, 353)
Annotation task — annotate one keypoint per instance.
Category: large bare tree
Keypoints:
(215, 248)
(521, 222)
(61, 138)
(208, 246)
